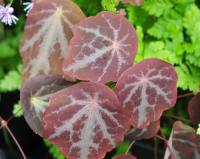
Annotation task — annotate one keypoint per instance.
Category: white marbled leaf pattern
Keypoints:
(184, 143)
(146, 90)
(48, 30)
(102, 48)
(85, 121)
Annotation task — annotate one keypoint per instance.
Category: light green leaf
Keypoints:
(11, 81)
(192, 24)
(110, 5)
(17, 110)
(122, 148)
(54, 151)
(157, 7)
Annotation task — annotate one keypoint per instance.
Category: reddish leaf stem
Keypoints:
(185, 95)
(4, 124)
(11, 117)
(166, 143)
(168, 146)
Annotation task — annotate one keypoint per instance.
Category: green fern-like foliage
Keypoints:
(110, 5)
(10, 81)
(169, 30)
(10, 60)
(157, 7)
(192, 26)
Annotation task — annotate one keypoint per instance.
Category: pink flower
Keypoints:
(6, 15)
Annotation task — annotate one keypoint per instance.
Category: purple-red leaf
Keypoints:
(145, 133)
(146, 90)
(124, 157)
(48, 30)
(184, 143)
(85, 121)
(194, 109)
(102, 48)
(133, 2)
(35, 96)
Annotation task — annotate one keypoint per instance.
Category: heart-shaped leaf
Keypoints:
(146, 90)
(194, 109)
(184, 143)
(35, 96)
(85, 121)
(102, 48)
(49, 27)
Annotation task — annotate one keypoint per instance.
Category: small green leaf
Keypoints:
(54, 151)
(17, 110)
(110, 5)
(122, 148)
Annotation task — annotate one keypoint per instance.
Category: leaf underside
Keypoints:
(35, 96)
(184, 142)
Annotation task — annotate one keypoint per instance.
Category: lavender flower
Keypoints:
(6, 15)
(28, 6)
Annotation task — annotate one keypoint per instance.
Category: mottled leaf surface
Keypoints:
(102, 48)
(133, 2)
(125, 157)
(35, 96)
(85, 121)
(194, 109)
(145, 133)
(184, 142)
(49, 27)
(146, 90)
